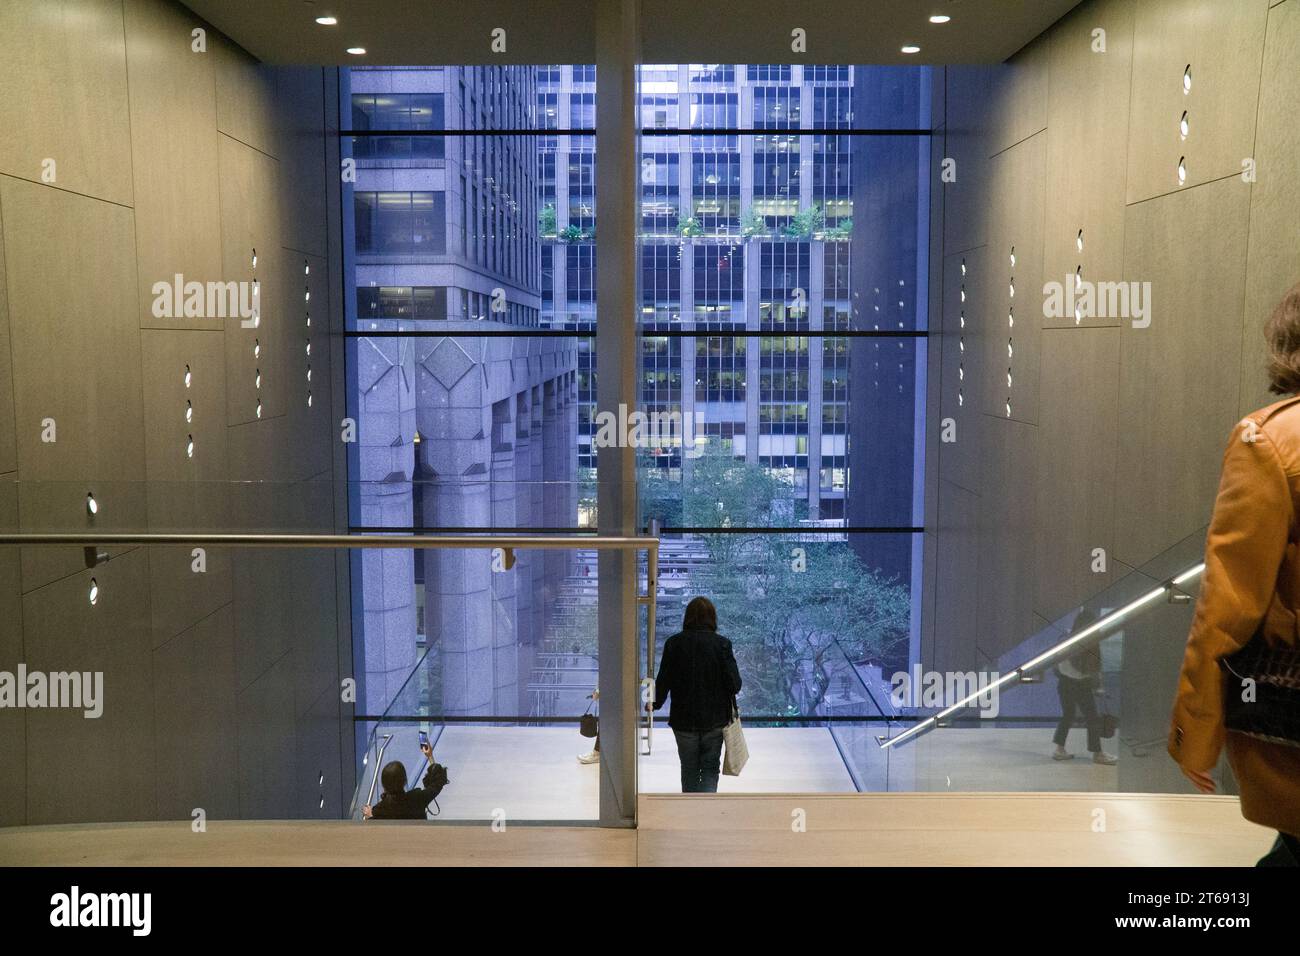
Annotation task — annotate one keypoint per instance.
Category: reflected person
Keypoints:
(1078, 681)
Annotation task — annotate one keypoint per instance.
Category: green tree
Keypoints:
(794, 607)
(841, 231)
(690, 227)
(752, 224)
(806, 223)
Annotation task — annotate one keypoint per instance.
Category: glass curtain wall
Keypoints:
(469, 228)
(783, 217)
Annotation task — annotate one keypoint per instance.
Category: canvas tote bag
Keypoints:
(733, 739)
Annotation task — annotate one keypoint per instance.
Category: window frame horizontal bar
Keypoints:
(645, 333)
(865, 529)
(645, 131)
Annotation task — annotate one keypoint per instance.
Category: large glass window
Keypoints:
(780, 329)
(401, 223)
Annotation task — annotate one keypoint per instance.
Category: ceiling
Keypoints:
(413, 32)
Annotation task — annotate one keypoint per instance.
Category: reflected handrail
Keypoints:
(374, 778)
(1090, 636)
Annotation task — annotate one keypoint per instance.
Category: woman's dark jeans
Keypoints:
(700, 752)
(1077, 695)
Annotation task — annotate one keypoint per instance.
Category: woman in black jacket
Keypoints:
(398, 803)
(699, 671)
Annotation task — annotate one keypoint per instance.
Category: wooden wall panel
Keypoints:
(1088, 107)
(268, 748)
(249, 223)
(63, 96)
(300, 129)
(83, 769)
(1075, 499)
(245, 96)
(198, 724)
(1273, 259)
(13, 722)
(8, 439)
(1223, 44)
(1018, 100)
(1007, 534)
(174, 156)
(186, 493)
(71, 276)
(1013, 300)
(307, 374)
(957, 579)
(966, 143)
(1179, 376)
(963, 338)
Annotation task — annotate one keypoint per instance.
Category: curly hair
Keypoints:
(1282, 332)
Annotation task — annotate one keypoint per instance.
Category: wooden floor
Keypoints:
(939, 829)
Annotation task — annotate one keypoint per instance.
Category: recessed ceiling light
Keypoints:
(940, 18)
(357, 50)
(327, 21)
(911, 49)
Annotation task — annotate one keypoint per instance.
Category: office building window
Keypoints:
(400, 223)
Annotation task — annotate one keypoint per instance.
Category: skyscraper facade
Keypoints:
(746, 224)
(472, 244)
(463, 420)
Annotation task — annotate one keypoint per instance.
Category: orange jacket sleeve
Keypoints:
(1253, 514)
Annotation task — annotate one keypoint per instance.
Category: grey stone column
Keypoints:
(385, 426)
(552, 473)
(509, 670)
(524, 517)
(541, 598)
(454, 415)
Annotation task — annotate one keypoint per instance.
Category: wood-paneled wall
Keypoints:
(221, 687)
(1114, 435)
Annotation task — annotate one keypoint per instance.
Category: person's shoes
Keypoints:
(589, 757)
(1105, 759)
(1060, 753)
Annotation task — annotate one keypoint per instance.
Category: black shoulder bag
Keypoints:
(1261, 692)
(589, 725)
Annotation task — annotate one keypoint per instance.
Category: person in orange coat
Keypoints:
(1252, 578)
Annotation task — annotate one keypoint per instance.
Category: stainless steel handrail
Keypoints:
(1094, 633)
(91, 540)
(308, 540)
